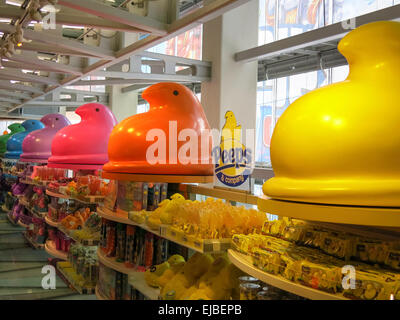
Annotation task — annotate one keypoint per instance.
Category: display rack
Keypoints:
(136, 280)
(99, 295)
(51, 222)
(50, 248)
(199, 245)
(365, 216)
(84, 242)
(112, 264)
(33, 243)
(83, 199)
(56, 194)
(22, 224)
(244, 263)
(73, 284)
(11, 220)
(158, 178)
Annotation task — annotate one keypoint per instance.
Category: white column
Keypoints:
(123, 105)
(233, 85)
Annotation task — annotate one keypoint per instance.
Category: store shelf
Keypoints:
(99, 295)
(243, 262)
(85, 242)
(23, 201)
(136, 278)
(137, 281)
(57, 194)
(85, 200)
(112, 264)
(222, 193)
(33, 243)
(364, 216)
(212, 246)
(73, 284)
(122, 217)
(51, 222)
(50, 248)
(11, 220)
(22, 224)
(157, 178)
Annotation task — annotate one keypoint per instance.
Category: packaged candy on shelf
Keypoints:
(121, 242)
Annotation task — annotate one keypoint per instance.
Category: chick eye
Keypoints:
(56, 119)
(175, 93)
(97, 109)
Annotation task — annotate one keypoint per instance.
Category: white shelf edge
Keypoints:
(242, 262)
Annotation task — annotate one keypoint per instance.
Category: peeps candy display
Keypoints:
(36, 146)
(169, 103)
(14, 144)
(14, 128)
(330, 146)
(84, 145)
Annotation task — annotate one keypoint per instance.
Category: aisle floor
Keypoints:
(21, 269)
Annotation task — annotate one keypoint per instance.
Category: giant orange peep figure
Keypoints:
(169, 103)
(84, 145)
(340, 144)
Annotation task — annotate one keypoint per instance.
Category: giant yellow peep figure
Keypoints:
(340, 144)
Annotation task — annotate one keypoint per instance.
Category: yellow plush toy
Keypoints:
(196, 266)
(176, 263)
(170, 207)
(202, 286)
(151, 275)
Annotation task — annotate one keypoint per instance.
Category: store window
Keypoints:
(295, 17)
(5, 123)
(142, 108)
(186, 45)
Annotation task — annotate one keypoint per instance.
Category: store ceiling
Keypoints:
(37, 72)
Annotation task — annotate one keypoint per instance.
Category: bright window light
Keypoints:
(13, 3)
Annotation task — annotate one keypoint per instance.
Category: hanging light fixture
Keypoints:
(34, 10)
(18, 36)
(10, 46)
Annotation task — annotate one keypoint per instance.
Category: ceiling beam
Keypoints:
(40, 47)
(62, 42)
(208, 12)
(73, 19)
(150, 76)
(110, 82)
(4, 99)
(12, 74)
(314, 37)
(4, 84)
(18, 95)
(37, 64)
(116, 14)
(27, 66)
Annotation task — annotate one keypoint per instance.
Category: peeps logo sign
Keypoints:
(232, 159)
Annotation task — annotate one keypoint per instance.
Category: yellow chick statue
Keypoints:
(340, 144)
(176, 263)
(151, 275)
(170, 208)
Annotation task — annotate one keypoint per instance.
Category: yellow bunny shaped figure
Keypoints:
(340, 144)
